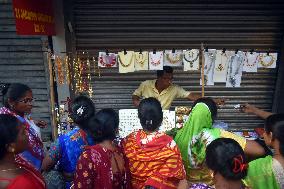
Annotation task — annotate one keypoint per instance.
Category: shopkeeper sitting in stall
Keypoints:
(162, 89)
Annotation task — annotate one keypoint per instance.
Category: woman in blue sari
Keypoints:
(66, 150)
(18, 100)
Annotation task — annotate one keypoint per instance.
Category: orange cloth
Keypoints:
(154, 160)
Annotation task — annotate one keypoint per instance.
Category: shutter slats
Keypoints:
(22, 61)
(134, 25)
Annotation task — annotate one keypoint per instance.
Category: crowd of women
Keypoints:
(197, 156)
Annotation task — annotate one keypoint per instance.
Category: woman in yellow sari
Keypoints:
(197, 133)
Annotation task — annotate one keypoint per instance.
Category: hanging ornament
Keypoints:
(67, 69)
(96, 67)
(59, 73)
(141, 60)
(156, 60)
(77, 74)
(173, 59)
(90, 89)
(107, 60)
(267, 60)
(84, 73)
(191, 60)
(126, 61)
(209, 65)
(221, 65)
(250, 62)
(235, 69)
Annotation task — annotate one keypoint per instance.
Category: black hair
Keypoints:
(226, 156)
(82, 110)
(150, 114)
(15, 91)
(166, 69)
(211, 105)
(275, 124)
(271, 120)
(8, 132)
(104, 125)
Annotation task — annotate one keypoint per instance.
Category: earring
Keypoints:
(13, 151)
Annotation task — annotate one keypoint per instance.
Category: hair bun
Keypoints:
(4, 88)
(149, 122)
(80, 110)
(79, 113)
(239, 165)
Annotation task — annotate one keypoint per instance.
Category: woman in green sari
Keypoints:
(268, 172)
(197, 133)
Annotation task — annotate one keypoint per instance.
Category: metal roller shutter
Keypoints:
(244, 25)
(22, 61)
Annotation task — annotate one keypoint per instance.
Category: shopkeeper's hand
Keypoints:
(135, 100)
(41, 123)
(220, 101)
(136, 103)
(247, 108)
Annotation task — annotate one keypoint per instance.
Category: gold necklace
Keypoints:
(174, 59)
(140, 58)
(125, 56)
(264, 63)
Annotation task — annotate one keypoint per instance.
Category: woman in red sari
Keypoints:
(102, 165)
(15, 174)
(154, 158)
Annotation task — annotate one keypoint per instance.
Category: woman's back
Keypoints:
(70, 146)
(99, 167)
(102, 165)
(154, 160)
(265, 173)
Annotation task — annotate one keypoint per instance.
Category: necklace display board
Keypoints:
(235, 69)
(126, 61)
(221, 66)
(107, 61)
(191, 60)
(267, 60)
(156, 60)
(209, 65)
(141, 61)
(173, 59)
(129, 121)
(250, 62)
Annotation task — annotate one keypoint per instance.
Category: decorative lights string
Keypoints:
(90, 89)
